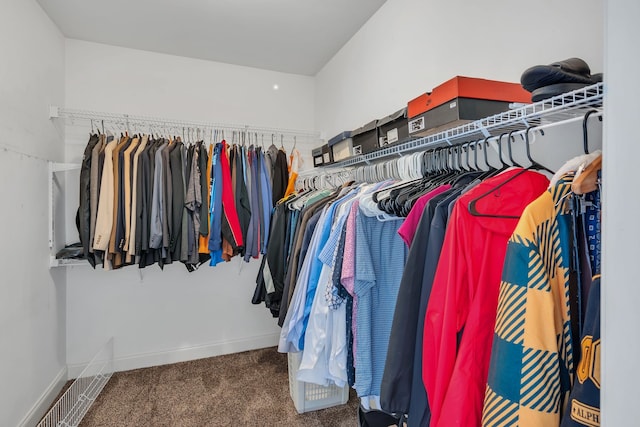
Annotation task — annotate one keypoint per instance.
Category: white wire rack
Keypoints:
(150, 123)
(556, 109)
(76, 401)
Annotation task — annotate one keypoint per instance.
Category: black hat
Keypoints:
(572, 70)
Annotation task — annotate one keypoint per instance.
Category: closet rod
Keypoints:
(140, 120)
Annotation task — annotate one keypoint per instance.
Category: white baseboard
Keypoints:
(38, 410)
(184, 354)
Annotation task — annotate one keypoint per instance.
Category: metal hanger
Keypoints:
(585, 131)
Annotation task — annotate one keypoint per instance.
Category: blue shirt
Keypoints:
(215, 235)
(316, 268)
(380, 258)
(266, 202)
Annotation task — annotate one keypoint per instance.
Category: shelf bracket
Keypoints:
(54, 112)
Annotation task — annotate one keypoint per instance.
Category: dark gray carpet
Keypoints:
(243, 389)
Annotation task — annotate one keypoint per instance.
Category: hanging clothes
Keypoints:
(280, 177)
(325, 357)
(295, 164)
(584, 401)
(83, 216)
(462, 305)
(104, 219)
(242, 196)
(402, 387)
(253, 234)
(215, 237)
(231, 230)
(145, 201)
(177, 201)
(95, 176)
(267, 205)
(130, 243)
(157, 208)
(542, 252)
(378, 272)
(116, 241)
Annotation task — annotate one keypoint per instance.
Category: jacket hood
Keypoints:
(506, 194)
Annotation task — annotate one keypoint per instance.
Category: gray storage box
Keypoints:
(341, 146)
(321, 156)
(366, 137)
(393, 128)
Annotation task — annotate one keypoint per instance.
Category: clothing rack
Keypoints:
(150, 124)
(557, 109)
(189, 130)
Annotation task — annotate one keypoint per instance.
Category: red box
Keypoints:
(468, 87)
(461, 100)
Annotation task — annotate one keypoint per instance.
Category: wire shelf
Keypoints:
(76, 401)
(552, 110)
(54, 262)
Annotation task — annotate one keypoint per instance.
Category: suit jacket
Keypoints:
(84, 210)
(104, 220)
(114, 241)
(95, 187)
(177, 199)
(128, 190)
(130, 244)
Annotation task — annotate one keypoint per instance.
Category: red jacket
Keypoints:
(231, 230)
(464, 297)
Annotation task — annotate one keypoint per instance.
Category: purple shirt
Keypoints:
(349, 265)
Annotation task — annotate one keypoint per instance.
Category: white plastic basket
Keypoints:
(311, 397)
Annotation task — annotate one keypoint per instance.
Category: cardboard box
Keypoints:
(461, 100)
(341, 146)
(393, 128)
(366, 138)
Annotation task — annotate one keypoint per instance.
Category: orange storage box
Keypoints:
(461, 100)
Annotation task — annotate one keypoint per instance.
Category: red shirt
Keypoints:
(465, 294)
(408, 228)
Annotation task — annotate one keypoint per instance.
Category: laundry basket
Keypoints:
(311, 397)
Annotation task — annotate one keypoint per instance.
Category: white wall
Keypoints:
(165, 316)
(32, 298)
(620, 232)
(113, 79)
(410, 46)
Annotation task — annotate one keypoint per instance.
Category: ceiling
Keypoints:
(293, 36)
